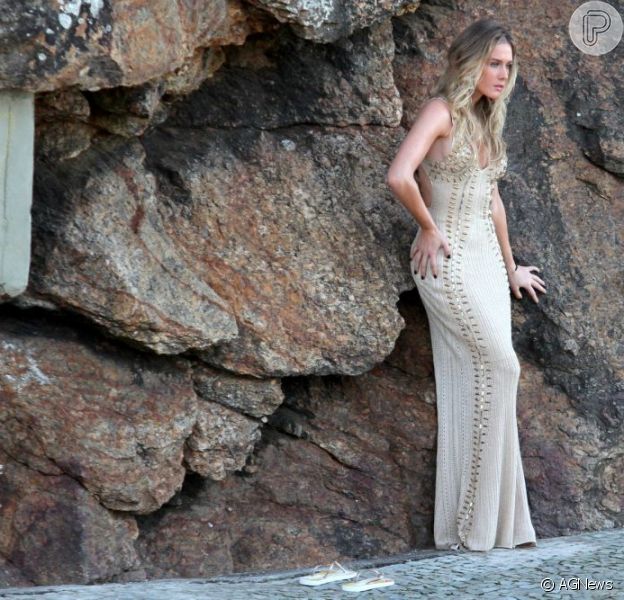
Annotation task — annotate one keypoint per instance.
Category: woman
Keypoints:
(463, 267)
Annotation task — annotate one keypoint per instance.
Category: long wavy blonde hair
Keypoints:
(483, 122)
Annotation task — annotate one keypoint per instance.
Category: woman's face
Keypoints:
(496, 71)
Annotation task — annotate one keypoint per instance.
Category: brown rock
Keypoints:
(101, 248)
(106, 428)
(412, 353)
(48, 45)
(66, 104)
(571, 466)
(63, 140)
(141, 299)
(129, 111)
(345, 470)
(53, 531)
(62, 126)
(204, 63)
(276, 80)
(327, 21)
(11, 576)
(310, 276)
(247, 395)
(222, 440)
(113, 421)
(302, 256)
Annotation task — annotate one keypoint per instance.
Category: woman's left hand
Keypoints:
(522, 277)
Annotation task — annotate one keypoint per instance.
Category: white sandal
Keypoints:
(335, 572)
(369, 583)
(459, 547)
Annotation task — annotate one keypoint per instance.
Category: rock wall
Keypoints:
(221, 363)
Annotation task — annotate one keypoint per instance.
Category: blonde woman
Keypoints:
(463, 267)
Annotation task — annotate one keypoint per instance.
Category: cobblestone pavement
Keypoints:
(571, 564)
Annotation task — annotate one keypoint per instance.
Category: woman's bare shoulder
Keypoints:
(437, 109)
(437, 105)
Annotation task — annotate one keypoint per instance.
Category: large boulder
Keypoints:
(93, 44)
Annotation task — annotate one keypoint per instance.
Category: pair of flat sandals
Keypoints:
(336, 572)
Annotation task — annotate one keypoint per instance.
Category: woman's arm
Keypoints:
(433, 121)
(499, 217)
(518, 276)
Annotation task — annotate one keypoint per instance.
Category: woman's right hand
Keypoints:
(425, 250)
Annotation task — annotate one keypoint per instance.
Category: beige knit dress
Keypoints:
(480, 496)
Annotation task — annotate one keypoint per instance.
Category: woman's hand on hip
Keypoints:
(425, 250)
(522, 277)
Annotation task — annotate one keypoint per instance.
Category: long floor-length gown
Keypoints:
(480, 495)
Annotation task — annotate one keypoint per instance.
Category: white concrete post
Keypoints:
(17, 128)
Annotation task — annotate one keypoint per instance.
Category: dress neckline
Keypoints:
(477, 160)
(454, 149)
(480, 168)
